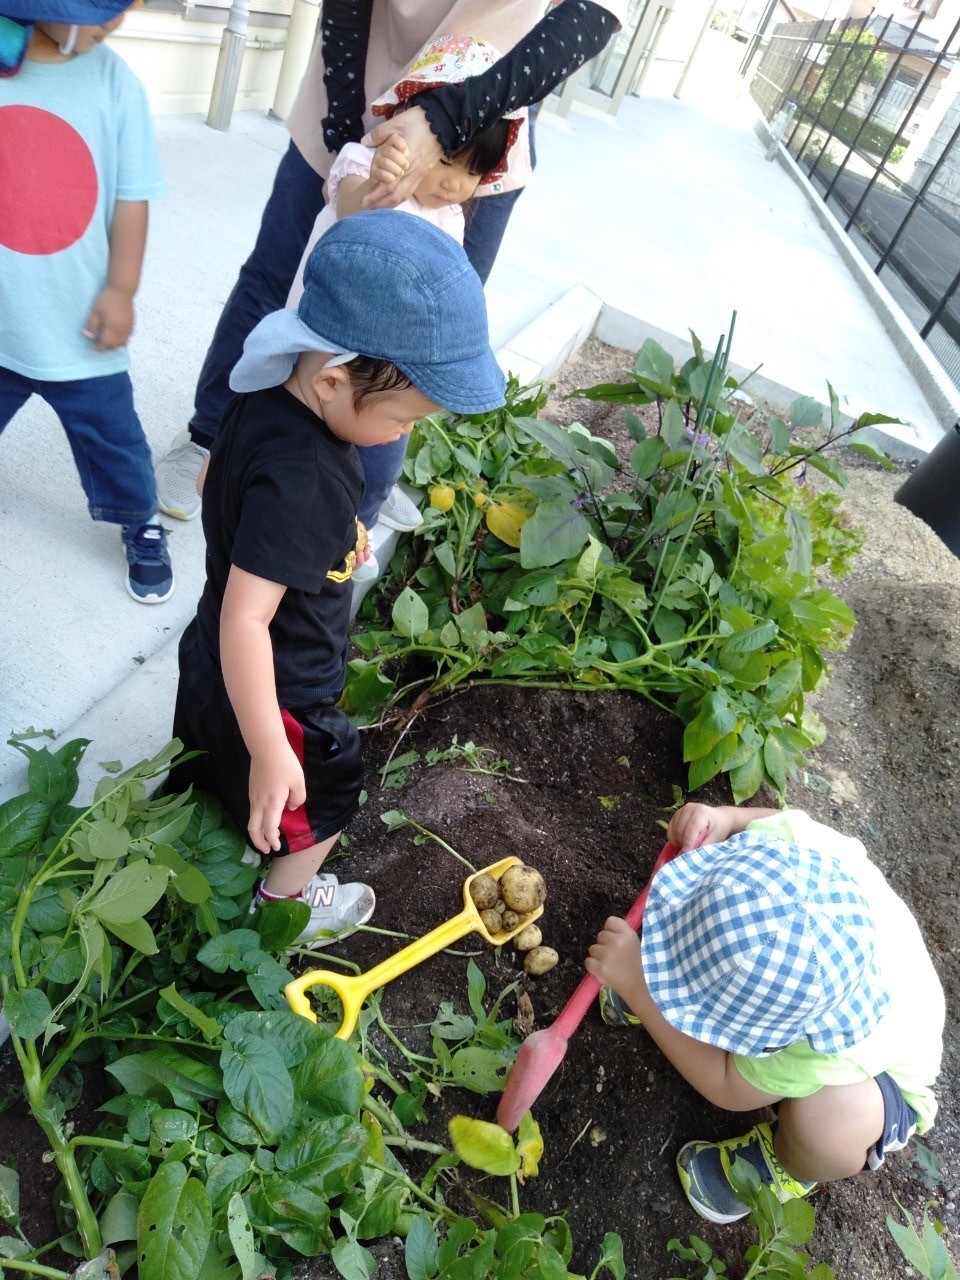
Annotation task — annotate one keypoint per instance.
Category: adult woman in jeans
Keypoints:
(364, 46)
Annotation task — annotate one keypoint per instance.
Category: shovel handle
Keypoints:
(583, 997)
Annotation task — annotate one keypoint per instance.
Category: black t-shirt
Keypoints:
(280, 501)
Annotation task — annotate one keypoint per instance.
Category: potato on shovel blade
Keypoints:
(353, 990)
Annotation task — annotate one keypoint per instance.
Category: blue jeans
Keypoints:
(106, 438)
(262, 286)
(265, 280)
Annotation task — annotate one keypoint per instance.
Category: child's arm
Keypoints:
(699, 824)
(389, 164)
(246, 657)
(110, 322)
(615, 960)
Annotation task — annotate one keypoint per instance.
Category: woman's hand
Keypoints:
(423, 152)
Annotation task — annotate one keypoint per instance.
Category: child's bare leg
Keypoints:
(827, 1135)
(288, 875)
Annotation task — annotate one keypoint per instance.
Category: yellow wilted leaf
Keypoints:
(505, 520)
(529, 1148)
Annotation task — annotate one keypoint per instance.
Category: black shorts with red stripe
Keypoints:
(325, 742)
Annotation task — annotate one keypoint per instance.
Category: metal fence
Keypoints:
(871, 112)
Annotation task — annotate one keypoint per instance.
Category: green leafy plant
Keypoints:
(240, 1136)
(923, 1247)
(688, 571)
(522, 1245)
(781, 1230)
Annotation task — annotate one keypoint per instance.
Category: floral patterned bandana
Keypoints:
(449, 60)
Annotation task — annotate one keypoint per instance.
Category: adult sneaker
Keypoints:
(177, 474)
(149, 572)
(703, 1169)
(398, 512)
(336, 910)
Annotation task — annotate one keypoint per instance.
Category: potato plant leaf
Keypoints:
(28, 1012)
(484, 1145)
(258, 1084)
(130, 893)
(421, 1249)
(173, 1228)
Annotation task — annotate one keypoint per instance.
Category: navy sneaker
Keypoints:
(703, 1167)
(149, 573)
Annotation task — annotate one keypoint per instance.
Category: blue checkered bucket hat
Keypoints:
(756, 943)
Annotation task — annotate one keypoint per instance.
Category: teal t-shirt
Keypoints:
(75, 137)
(907, 1042)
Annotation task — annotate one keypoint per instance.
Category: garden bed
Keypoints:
(588, 781)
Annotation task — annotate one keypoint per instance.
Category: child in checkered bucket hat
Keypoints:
(777, 967)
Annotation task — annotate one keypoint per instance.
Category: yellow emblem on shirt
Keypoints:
(349, 564)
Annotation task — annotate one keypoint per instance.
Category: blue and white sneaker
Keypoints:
(149, 572)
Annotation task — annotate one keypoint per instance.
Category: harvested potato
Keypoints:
(528, 938)
(522, 888)
(499, 906)
(540, 960)
(510, 919)
(491, 920)
(484, 890)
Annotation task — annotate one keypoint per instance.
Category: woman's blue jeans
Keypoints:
(263, 285)
(106, 439)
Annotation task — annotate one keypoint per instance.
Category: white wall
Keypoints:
(176, 59)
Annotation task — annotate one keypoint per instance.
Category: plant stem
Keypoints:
(87, 1224)
(414, 1144)
(441, 842)
(34, 1268)
(440, 1210)
(398, 1043)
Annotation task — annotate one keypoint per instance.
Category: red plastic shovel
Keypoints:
(541, 1053)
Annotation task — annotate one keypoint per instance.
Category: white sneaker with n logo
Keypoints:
(336, 910)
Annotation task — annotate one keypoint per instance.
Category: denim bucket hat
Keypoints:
(81, 13)
(756, 943)
(393, 287)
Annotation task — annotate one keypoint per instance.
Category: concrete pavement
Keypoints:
(669, 218)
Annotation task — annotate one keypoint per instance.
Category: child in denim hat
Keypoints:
(391, 327)
(777, 967)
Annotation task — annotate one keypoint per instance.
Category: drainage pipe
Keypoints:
(300, 37)
(229, 64)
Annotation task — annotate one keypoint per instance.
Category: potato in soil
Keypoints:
(540, 960)
(528, 938)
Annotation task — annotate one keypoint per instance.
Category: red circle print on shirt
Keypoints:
(48, 181)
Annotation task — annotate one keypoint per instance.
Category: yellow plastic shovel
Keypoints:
(354, 990)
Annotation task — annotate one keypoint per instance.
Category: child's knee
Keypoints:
(828, 1134)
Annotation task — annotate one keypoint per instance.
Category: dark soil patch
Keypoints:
(600, 774)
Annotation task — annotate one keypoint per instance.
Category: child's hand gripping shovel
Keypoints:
(354, 990)
(541, 1053)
